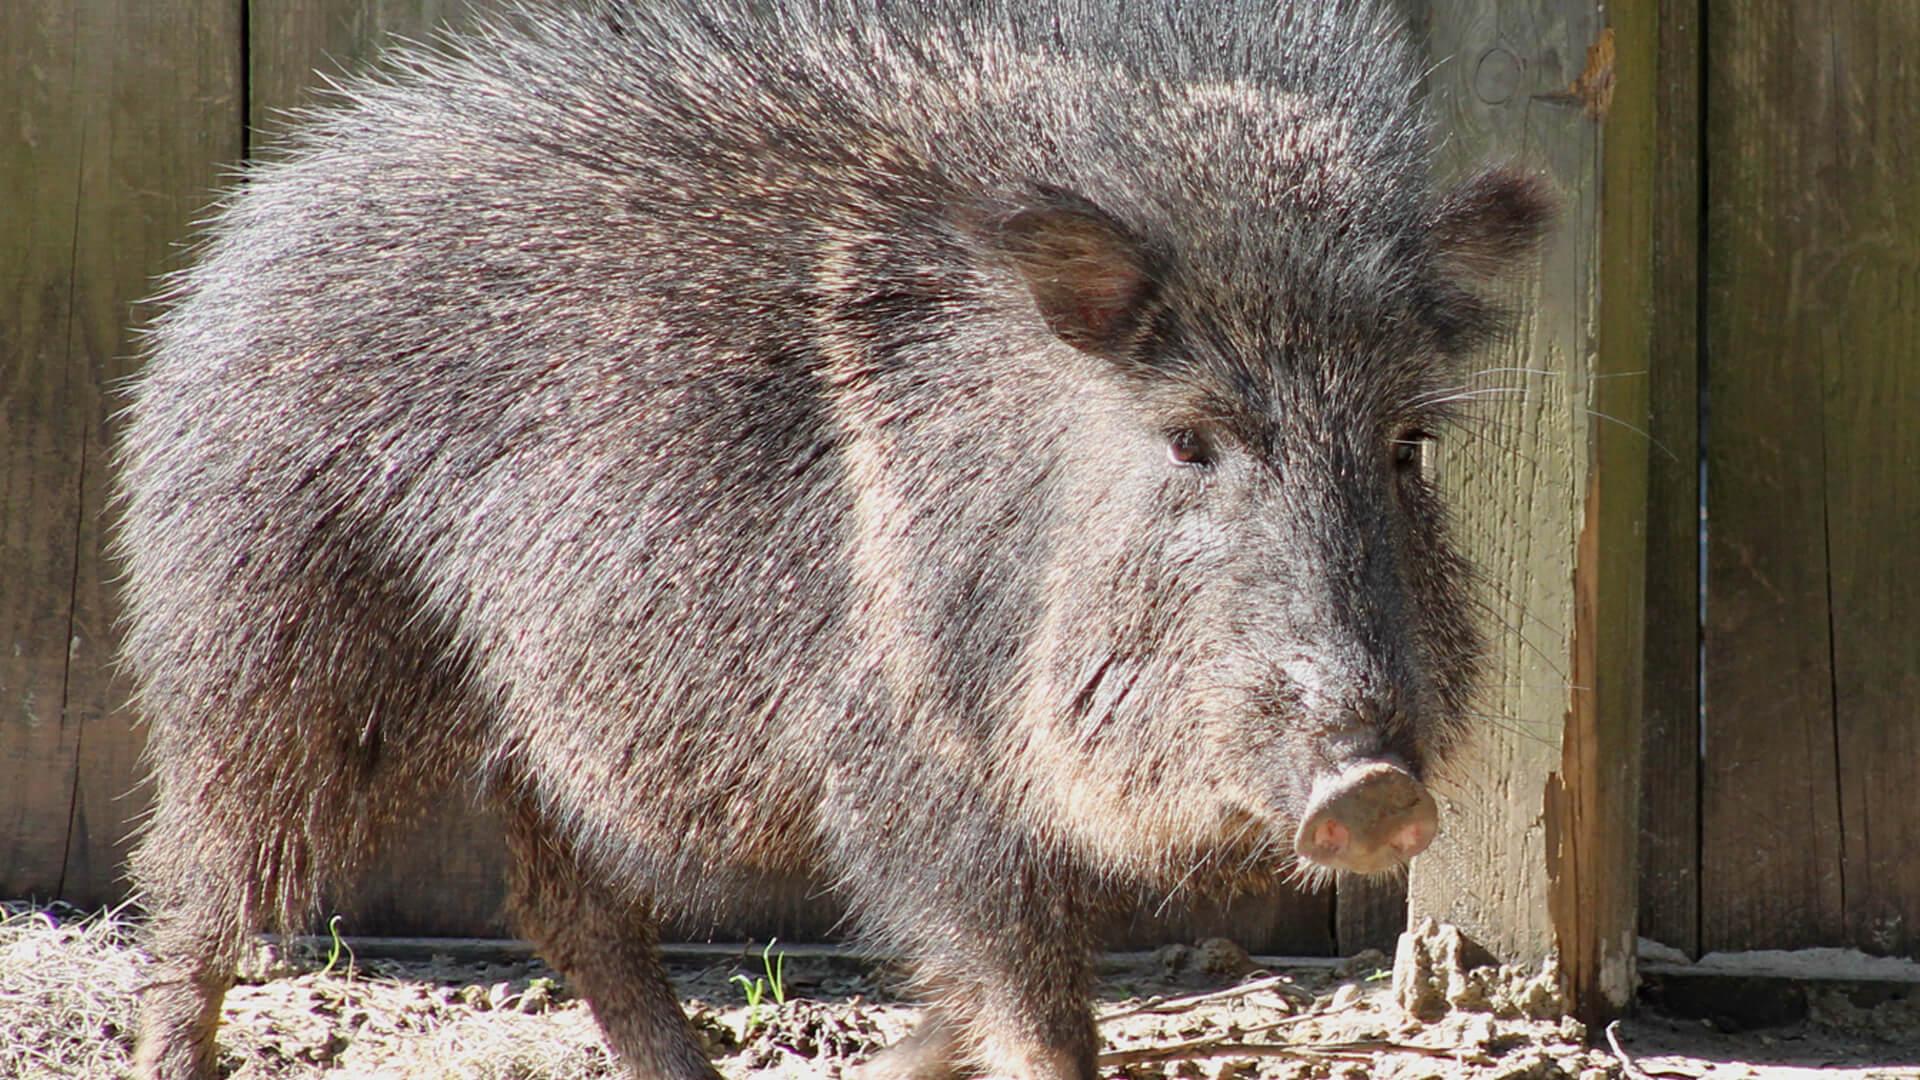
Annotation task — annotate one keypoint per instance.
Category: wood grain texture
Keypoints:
(1369, 914)
(42, 428)
(1540, 858)
(1868, 277)
(1501, 83)
(117, 115)
(1778, 264)
(1670, 736)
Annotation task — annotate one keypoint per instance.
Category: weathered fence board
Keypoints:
(1595, 898)
(1812, 730)
(1512, 474)
(1868, 276)
(119, 115)
(1770, 829)
(1670, 722)
(43, 429)
(1813, 650)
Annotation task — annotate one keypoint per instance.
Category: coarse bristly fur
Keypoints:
(965, 452)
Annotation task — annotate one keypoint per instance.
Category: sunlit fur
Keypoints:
(728, 440)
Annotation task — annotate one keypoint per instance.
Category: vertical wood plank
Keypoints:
(1595, 894)
(1543, 810)
(42, 427)
(1670, 762)
(121, 111)
(1860, 295)
(1501, 84)
(1777, 268)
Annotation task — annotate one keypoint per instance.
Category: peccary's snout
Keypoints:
(1368, 817)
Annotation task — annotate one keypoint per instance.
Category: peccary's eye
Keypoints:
(1406, 449)
(1188, 447)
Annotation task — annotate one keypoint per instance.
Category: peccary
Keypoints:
(971, 453)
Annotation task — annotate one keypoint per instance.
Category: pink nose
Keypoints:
(1370, 816)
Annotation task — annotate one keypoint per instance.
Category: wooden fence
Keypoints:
(1738, 275)
(1785, 813)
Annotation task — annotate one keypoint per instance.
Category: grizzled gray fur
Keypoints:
(969, 453)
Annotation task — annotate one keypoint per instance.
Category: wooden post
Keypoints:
(1537, 860)
(117, 113)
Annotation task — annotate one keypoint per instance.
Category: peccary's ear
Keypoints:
(1484, 226)
(1087, 273)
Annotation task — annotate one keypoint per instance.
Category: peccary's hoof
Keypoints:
(1370, 817)
(928, 1053)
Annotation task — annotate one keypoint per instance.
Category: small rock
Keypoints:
(263, 962)
(1531, 1065)
(1595, 1074)
(716, 1036)
(1222, 959)
(1361, 964)
(1345, 997)
(1540, 998)
(1173, 959)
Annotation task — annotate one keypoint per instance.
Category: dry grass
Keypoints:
(66, 992)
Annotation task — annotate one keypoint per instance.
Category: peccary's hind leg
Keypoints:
(605, 944)
(208, 887)
(196, 943)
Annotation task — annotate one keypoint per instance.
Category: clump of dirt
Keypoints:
(1439, 970)
(1204, 1011)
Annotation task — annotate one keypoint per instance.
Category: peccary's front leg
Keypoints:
(998, 934)
(604, 942)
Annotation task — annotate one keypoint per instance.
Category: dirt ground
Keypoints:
(494, 1013)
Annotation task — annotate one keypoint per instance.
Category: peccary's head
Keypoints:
(1256, 634)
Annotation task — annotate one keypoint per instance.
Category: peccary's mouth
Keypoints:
(1365, 818)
